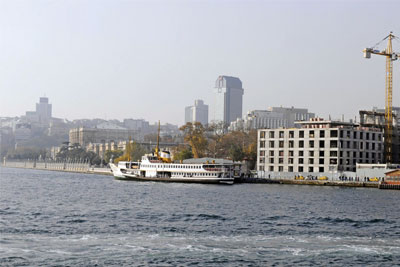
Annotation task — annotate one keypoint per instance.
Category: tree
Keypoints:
(133, 152)
(236, 153)
(195, 137)
(32, 153)
(182, 153)
(112, 154)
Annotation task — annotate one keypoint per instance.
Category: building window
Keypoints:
(271, 160)
(311, 143)
(291, 144)
(262, 144)
(301, 161)
(281, 168)
(321, 169)
(333, 153)
(301, 169)
(301, 134)
(271, 153)
(290, 168)
(281, 144)
(271, 144)
(334, 133)
(321, 143)
(301, 143)
(262, 134)
(333, 161)
(271, 168)
(310, 161)
(261, 168)
(262, 160)
(301, 153)
(321, 161)
(367, 136)
(311, 134)
(280, 160)
(333, 144)
(281, 134)
(291, 153)
(321, 153)
(291, 160)
(322, 133)
(291, 134)
(271, 134)
(311, 153)
(281, 153)
(262, 153)
(310, 169)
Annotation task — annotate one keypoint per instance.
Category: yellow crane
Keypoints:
(390, 57)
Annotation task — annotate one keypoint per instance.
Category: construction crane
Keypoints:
(390, 57)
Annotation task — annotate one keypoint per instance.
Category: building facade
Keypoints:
(273, 117)
(228, 99)
(376, 118)
(318, 146)
(43, 112)
(197, 113)
(85, 136)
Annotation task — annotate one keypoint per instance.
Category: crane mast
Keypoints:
(390, 57)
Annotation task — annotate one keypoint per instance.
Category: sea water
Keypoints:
(68, 219)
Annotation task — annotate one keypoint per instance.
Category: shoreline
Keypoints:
(107, 172)
(90, 171)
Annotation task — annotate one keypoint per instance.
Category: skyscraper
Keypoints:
(228, 99)
(43, 110)
(42, 115)
(197, 113)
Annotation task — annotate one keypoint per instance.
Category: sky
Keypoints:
(116, 59)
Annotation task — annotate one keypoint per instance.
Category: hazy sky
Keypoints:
(149, 59)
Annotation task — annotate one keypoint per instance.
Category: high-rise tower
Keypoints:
(228, 99)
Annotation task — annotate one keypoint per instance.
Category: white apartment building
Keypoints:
(319, 146)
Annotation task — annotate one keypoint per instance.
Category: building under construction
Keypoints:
(375, 118)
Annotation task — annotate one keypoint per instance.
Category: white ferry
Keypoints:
(159, 167)
(153, 168)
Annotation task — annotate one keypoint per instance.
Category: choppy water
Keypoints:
(54, 218)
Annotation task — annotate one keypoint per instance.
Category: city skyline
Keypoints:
(120, 59)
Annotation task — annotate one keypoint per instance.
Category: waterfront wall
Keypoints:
(332, 176)
(68, 165)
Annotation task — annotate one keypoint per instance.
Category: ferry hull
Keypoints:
(228, 181)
